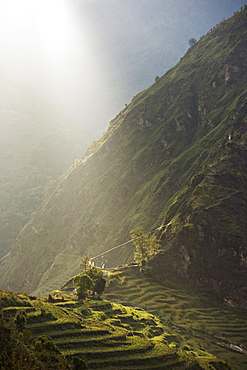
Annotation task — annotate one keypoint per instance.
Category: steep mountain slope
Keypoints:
(131, 41)
(166, 160)
(37, 144)
(107, 53)
(141, 39)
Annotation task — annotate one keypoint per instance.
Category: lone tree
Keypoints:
(85, 262)
(99, 286)
(98, 280)
(145, 247)
(90, 281)
(84, 284)
(94, 273)
(192, 41)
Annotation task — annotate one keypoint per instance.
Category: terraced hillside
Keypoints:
(175, 157)
(222, 332)
(105, 334)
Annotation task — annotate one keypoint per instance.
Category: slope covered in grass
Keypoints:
(105, 334)
(174, 157)
(193, 318)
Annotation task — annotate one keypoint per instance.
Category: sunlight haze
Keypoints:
(67, 68)
(45, 45)
(89, 58)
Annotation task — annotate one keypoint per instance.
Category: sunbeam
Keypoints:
(53, 46)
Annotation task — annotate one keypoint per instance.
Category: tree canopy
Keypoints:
(90, 281)
(145, 246)
(84, 284)
(85, 262)
(192, 41)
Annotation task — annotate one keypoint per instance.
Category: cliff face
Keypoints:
(174, 157)
(205, 232)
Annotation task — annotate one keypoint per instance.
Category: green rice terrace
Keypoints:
(108, 335)
(194, 319)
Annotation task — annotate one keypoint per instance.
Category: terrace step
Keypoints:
(170, 365)
(102, 307)
(11, 311)
(67, 304)
(50, 326)
(79, 341)
(134, 362)
(125, 349)
(39, 318)
(76, 333)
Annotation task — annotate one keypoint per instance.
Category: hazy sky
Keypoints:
(79, 54)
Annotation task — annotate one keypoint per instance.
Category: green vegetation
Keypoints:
(194, 320)
(91, 281)
(145, 247)
(174, 158)
(84, 284)
(85, 262)
(174, 161)
(96, 334)
(192, 41)
(20, 351)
